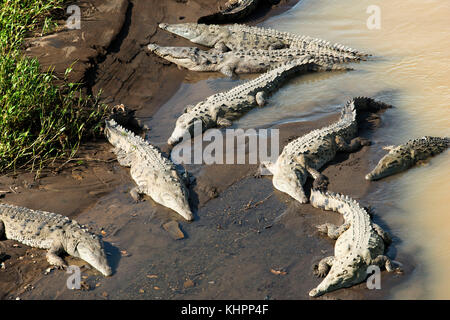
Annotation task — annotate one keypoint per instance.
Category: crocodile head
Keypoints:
(188, 57)
(388, 165)
(290, 180)
(345, 272)
(89, 247)
(184, 128)
(174, 198)
(197, 33)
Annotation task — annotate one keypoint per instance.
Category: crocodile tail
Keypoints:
(334, 201)
(369, 104)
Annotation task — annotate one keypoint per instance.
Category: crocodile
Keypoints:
(219, 109)
(235, 10)
(305, 155)
(360, 244)
(240, 61)
(406, 155)
(55, 233)
(154, 174)
(238, 36)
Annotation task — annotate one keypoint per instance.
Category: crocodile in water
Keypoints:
(406, 155)
(304, 156)
(219, 109)
(360, 244)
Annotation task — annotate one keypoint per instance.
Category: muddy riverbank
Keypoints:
(247, 241)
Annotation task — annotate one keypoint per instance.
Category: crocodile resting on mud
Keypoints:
(406, 155)
(360, 243)
(154, 174)
(307, 154)
(219, 109)
(239, 36)
(55, 233)
(241, 61)
(234, 10)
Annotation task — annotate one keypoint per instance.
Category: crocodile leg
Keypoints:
(52, 255)
(332, 230)
(122, 157)
(223, 122)
(356, 144)
(136, 194)
(221, 47)
(226, 70)
(383, 234)
(320, 180)
(261, 98)
(384, 261)
(321, 269)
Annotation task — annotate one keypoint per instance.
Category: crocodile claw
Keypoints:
(321, 183)
(319, 273)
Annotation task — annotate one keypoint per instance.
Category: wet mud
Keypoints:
(248, 241)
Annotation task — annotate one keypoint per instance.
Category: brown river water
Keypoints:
(410, 70)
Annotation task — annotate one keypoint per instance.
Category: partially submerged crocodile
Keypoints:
(238, 36)
(154, 174)
(55, 233)
(234, 10)
(219, 109)
(407, 155)
(304, 156)
(360, 243)
(241, 61)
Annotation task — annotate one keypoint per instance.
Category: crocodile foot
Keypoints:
(135, 194)
(321, 183)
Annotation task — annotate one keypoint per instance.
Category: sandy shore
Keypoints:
(243, 228)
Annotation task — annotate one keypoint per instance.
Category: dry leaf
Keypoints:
(278, 272)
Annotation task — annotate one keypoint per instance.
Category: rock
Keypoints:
(173, 228)
(188, 284)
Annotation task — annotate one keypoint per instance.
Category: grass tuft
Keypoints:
(40, 121)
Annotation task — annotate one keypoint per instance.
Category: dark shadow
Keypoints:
(113, 256)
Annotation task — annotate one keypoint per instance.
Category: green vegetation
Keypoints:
(39, 121)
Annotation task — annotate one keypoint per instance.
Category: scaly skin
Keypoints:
(241, 61)
(237, 36)
(405, 156)
(219, 109)
(54, 233)
(304, 156)
(360, 243)
(154, 174)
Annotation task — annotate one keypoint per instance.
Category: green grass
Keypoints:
(40, 121)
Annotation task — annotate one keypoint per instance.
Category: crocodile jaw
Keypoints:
(290, 181)
(189, 31)
(182, 56)
(184, 128)
(175, 200)
(90, 249)
(388, 165)
(343, 274)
